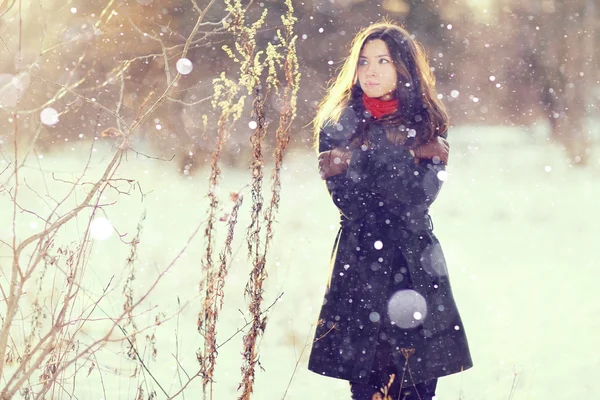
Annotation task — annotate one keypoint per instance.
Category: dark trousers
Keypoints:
(368, 391)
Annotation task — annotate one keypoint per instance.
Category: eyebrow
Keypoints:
(381, 55)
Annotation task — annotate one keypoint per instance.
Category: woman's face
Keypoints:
(376, 70)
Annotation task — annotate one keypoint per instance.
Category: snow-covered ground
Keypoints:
(518, 226)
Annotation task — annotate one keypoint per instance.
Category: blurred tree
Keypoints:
(512, 61)
(561, 47)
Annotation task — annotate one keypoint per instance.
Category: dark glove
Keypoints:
(437, 149)
(334, 162)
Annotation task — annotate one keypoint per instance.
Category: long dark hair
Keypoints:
(420, 116)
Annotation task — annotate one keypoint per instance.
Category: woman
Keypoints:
(389, 323)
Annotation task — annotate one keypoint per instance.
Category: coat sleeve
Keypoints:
(384, 174)
(353, 197)
(396, 177)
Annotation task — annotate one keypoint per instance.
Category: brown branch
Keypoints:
(297, 363)
(199, 372)
(166, 92)
(141, 361)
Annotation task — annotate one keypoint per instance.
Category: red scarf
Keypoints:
(379, 108)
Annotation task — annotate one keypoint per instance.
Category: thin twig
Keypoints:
(141, 361)
(249, 322)
(298, 361)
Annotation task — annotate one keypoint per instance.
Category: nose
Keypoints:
(371, 69)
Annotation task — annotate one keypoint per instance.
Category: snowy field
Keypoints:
(519, 228)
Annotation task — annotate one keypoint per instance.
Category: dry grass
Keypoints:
(48, 305)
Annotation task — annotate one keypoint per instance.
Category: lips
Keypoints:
(372, 84)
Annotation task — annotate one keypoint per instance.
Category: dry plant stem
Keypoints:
(403, 373)
(18, 278)
(31, 145)
(310, 331)
(226, 255)
(59, 357)
(249, 322)
(200, 42)
(43, 176)
(206, 317)
(182, 369)
(176, 355)
(513, 387)
(254, 286)
(45, 241)
(189, 104)
(176, 79)
(128, 287)
(96, 304)
(199, 372)
(63, 91)
(162, 45)
(214, 280)
(120, 102)
(127, 307)
(8, 393)
(258, 275)
(40, 198)
(46, 237)
(113, 75)
(103, 13)
(407, 353)
(16, 284)
(213, 301)
(286, 116)
(141, 361)
(81, 259)
(58, 322)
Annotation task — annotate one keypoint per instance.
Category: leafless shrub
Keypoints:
(48, 306)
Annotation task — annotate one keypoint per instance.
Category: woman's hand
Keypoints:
(437, 149)
(334, 162)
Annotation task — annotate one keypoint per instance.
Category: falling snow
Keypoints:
(49, 116)
(184, 66)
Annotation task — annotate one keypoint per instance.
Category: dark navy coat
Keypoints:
(388, 296)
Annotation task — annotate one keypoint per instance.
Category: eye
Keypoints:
(362, 62)
(381, 60)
